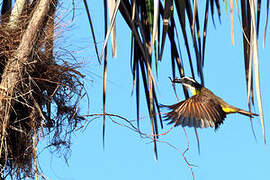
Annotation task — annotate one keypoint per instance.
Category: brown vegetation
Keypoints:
(39, 93)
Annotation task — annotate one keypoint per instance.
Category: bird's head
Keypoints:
(190, 83)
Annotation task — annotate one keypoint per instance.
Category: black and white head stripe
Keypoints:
(188, 81)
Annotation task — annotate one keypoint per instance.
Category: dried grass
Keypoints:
(44, 103)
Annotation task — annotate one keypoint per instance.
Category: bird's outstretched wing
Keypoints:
(196, 112)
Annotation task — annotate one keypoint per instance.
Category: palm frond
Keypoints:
(92, 29)
(266, 22)
(168, 10)
(144, 19)
(104, 71)
(232, 31)
(113, 7)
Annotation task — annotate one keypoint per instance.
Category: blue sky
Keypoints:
(231, 152)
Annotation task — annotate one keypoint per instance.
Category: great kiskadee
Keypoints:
(204, 109)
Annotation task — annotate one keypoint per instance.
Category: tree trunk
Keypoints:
(12, 72)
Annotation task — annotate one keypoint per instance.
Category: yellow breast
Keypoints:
(194, 91)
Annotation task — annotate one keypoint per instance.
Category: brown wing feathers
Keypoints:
(195, 112)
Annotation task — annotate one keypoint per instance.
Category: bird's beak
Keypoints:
(177, 80)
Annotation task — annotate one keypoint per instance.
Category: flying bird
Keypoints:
(204, 109)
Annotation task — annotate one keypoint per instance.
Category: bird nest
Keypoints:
(44, 102)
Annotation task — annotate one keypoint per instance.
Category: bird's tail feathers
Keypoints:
(246, 113)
